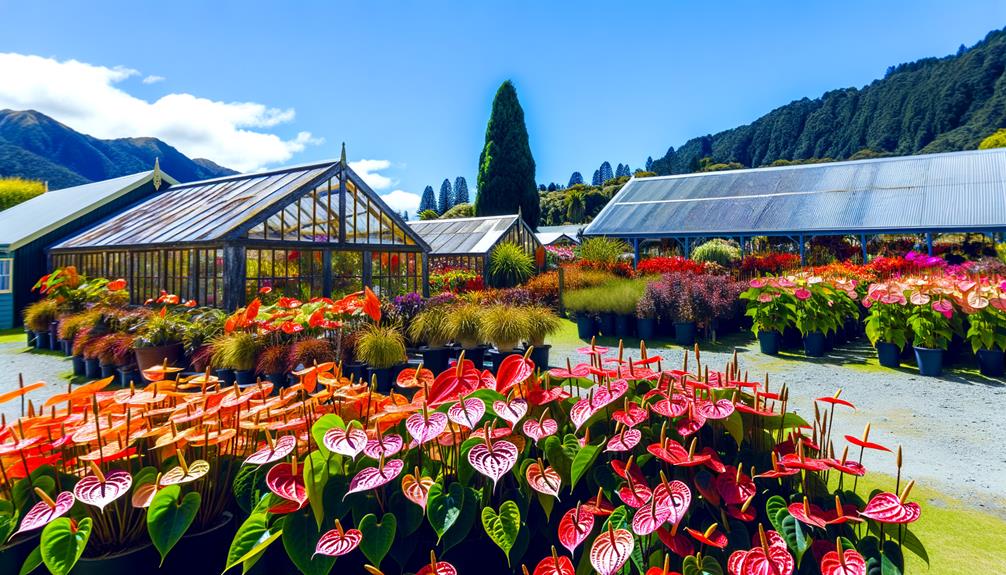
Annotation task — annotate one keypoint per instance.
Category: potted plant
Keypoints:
(159, 341)
(505, 326)
(80, 341)
(382, 348)
(622, 299)
(115, 352)
(581, 306)
(72, 324)
(37, 317)
(814, 316)
(542, 322)
(771, 311)
(92, 363)
(646, 315)
(432, 327)
(236, 351)
(351, 367)
(987, 336)
(464, 323)
(933, 325)
(272, 363)
(887, 328)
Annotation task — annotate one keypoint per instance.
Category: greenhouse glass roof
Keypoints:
(956, 191)
(460, 236)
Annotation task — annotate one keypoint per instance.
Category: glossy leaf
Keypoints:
(444, 507)
(168, 518)
(252, 537)
(301, 538)
(63, 541)
(582, 463)
(502, 527)
(377, 537)
(709, 566)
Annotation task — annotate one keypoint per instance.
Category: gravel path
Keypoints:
(949, 427)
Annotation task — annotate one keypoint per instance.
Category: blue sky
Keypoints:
(408, 85)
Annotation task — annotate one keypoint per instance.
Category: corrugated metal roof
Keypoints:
(953, 191)
(460, 236)
(549, 234)
(42, 214)
(199, 211)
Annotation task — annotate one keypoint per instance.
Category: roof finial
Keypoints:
(343, 157)
(157, 174)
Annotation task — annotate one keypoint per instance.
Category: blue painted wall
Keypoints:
(7, 319)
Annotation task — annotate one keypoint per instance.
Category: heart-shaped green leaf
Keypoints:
(583, 461)
(300, 537)
(557, 457)
(377, 537)
(773, 506)
(324, 423)
(502, 527)
(466, 520)
(32, 562)
(318, 468)
(253, 536)
(792, 533)
(709, 566)
(63, 541)
(444, 507)
(168, 518)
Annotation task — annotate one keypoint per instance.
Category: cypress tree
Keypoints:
(506, 181)
(461, 191)
(428, 201)
(649, 163)
(619, 170)
(606, 173)
(596, 180)
(576, 178)
(446, 196)
(405, 215)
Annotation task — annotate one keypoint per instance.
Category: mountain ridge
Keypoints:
(36, 146)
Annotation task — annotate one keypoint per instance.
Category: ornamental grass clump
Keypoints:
(464, 322)
(432, 325)
(381, 346)
(505, 326)
(510, 265)
(542, 322)
(718, 251)
(236, 351)
(38, 315)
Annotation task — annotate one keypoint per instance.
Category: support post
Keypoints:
(741, 242)
(862, 244)
(326, 273)
(234, 277)
(803, 258)
(193, 287)
(688, 247)
(635, 253)
(426, 275)
(929, 242)
(368, 269)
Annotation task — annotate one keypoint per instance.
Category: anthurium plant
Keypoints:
(770, 304)
(887, 320)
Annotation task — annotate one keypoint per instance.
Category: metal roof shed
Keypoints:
(559, 235)
(932, 193)
(29, 227)
(304, 231)
(468, 242)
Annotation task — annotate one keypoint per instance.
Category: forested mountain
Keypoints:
(931, 105)
(34, 146)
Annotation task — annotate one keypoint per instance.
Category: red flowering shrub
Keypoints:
(455, 280)
(770, 263)
(666, 265)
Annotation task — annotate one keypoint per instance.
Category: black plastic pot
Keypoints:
(42, 340)
(92, 368)
(477, 355)
(769, 342)
(623, 325)
(278, 380)
(107, 370)
(646, 327)
(829, 341)
(851, 329)
(29, 337)
(244, 377)
(79, 366)
(436, 359)
(888, 354)
(195, 554)
(54, 336)
(815, 344)
(585, 328)
(991, 362)
(496, 357)
(791, 338)
(930, 361)
(684, 333)
(356, 370)
(539, 355)
(226, 376)
(147, 357)
(129, 375)
(384, 376)
(66, 346)
(606, 324)
(12, 556)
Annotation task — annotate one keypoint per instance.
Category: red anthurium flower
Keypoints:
(349, 442)
(425, 426)
(769, 557)
(555, 565)
(677, 542)
(116, 285)
(611, 550)
(598, 505)
(842, 562)
(43, 512)
(777, 470)
(100, 489)
(719, 409)
(273, 451)
(543, 427)
(864, 443)
(338, 541)
(634, 494)
(835, 400)
(467, 412)
(287, 481)
(513, 370)
(711, 536)
(690, 423)
(624, 441)
(538, 396)
(437, 567)
(543, 479)
(580, 371)
(734, 486)
(454, 383)
(512, 411)
(890, 508)
(714, 462)
(371, 305)
(493, 459)
(411, 378)
(574, 527)
(374, 477)
(592, 350)
(631, 414)
(807, 513)
(416, 488)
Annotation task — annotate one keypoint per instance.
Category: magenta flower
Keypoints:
(943, 306)
(760, 283)
(765, 297)
(802, 293)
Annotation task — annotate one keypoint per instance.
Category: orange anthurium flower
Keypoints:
(371, 305)
(116, 285)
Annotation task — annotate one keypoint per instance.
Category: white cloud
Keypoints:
(400, 200)
(153, 79)
(368, 170)
(85, 97)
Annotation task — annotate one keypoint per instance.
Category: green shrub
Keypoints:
(72, 324)
(235, 351)
(161, 330)
(602, 250)
(718, 251)
(13, 191)
(380, 346)
(510, 265)
(505, 326)
(428, 215)
(38, 315)
(616, 296)
(431, 326)
(542, 322)
(464, 322)
(459, 211)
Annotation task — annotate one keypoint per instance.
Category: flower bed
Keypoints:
(623, 465)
